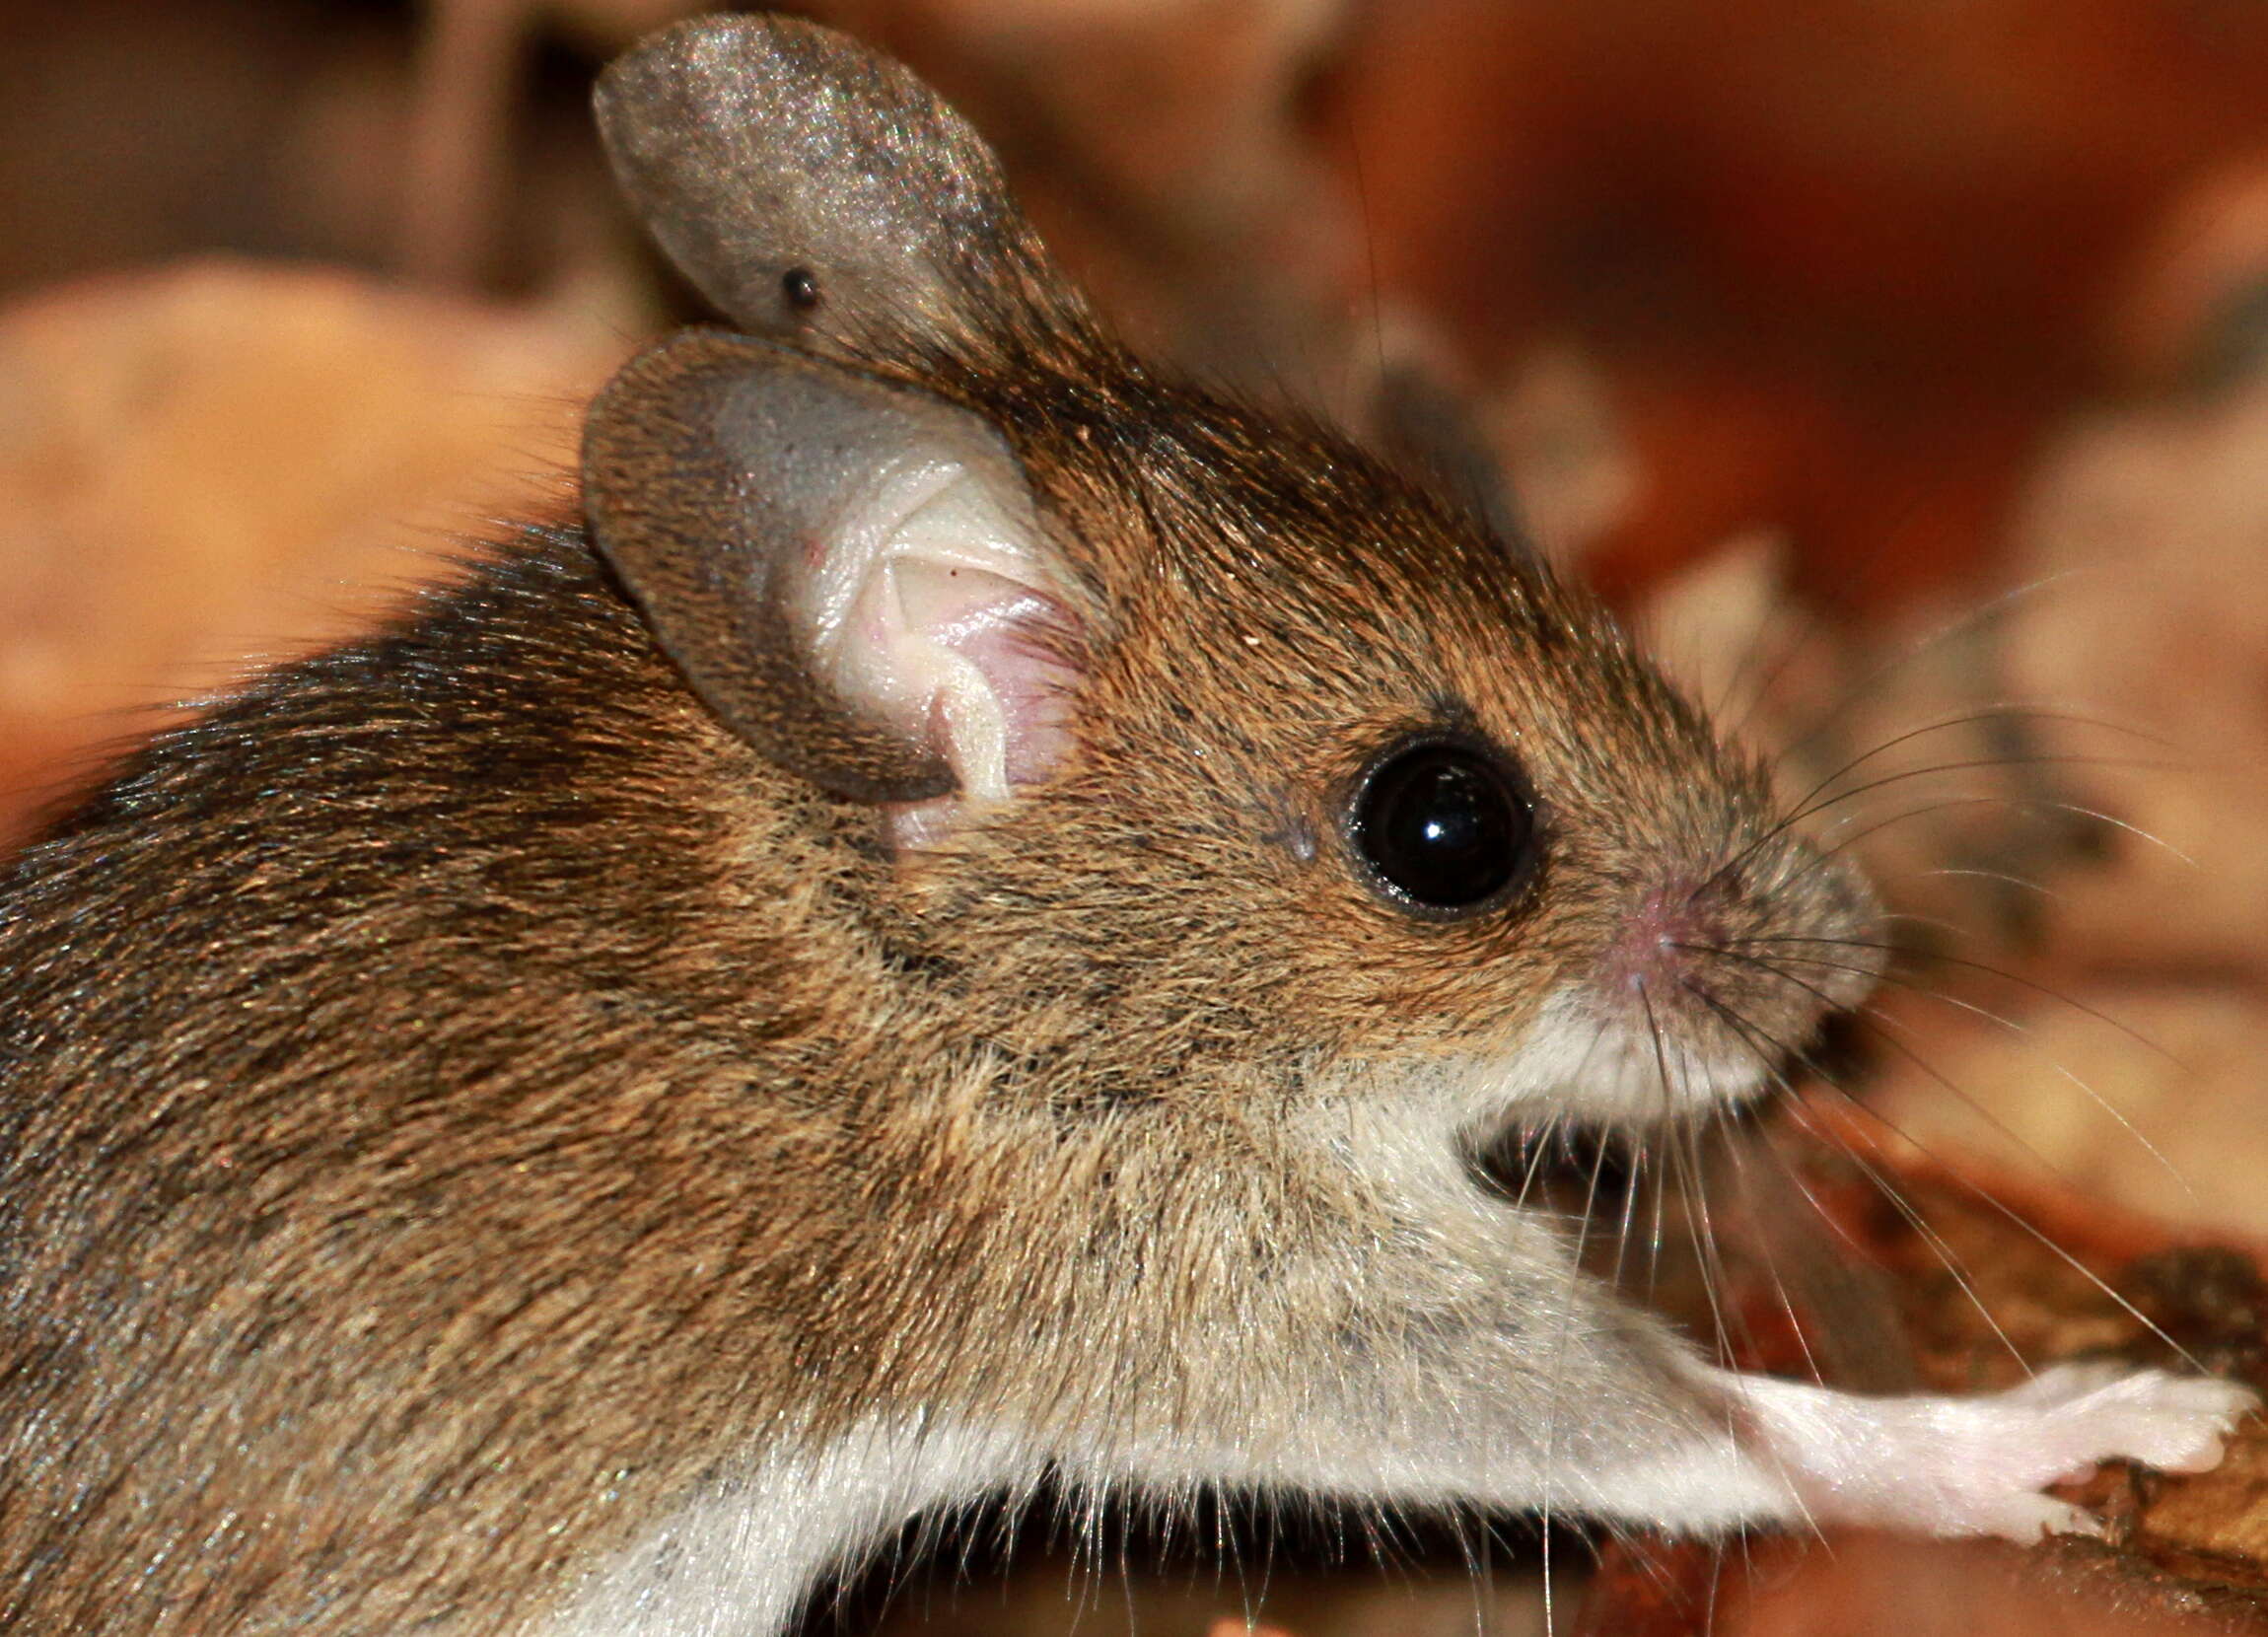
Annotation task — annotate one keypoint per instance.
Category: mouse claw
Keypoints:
(2028, 1519)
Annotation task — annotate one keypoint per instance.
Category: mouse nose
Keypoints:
(1664, 938)
(1766, 943)
(1779, 934)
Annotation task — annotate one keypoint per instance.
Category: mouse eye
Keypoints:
(1443, 827)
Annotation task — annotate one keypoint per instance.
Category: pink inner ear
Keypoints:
(1000, 629)
(999, 705)
(931, 609)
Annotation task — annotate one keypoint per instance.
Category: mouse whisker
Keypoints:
(1627, 1221)
(1736, 1153)
(2043, 759)
(1999, 1207)
(2003, 878)
(1538, 1142)
(1685, 1171)
(1875, 1018)
(2022, 1031)
(1995, 712)
(1920, 923)
(1801, 807)
(1827, 855)
(1829, 850)
(1772, 1064)
(1813, 802)
(2028, 1032)
(1733, 1337)
(1838, 1229)
(1966, 623)
(1988, 970)
(1884, 1185)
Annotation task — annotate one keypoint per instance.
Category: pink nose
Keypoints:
(1663, 941)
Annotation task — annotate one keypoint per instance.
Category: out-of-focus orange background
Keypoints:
(1903, 364)
(290, 283)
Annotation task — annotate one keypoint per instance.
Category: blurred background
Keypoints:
(289, 281)
(1903, 365)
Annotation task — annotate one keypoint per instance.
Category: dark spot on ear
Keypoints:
(801, 288)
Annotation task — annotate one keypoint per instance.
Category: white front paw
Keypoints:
(1955, 1466)
(2084, 1414)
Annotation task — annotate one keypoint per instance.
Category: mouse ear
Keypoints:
(851, 576)
(821, 194)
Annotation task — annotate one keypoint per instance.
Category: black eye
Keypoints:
(1444, 826)
(800, 287)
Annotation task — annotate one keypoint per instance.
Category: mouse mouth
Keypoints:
(1630, 1059)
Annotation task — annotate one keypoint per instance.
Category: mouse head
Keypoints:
(1205, 748)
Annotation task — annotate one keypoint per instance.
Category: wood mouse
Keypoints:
(957, 934)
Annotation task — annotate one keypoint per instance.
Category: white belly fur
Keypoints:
(739, 1558)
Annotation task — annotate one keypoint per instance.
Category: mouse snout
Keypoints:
(1771, 902)
(1713, 977)
(1780, 942)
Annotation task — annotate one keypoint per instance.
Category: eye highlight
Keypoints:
(1443, 827)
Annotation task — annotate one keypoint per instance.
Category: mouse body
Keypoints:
(957, 932)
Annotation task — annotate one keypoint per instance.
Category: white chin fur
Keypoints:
(1577, 1062)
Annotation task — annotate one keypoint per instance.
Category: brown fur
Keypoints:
(457, 1094)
